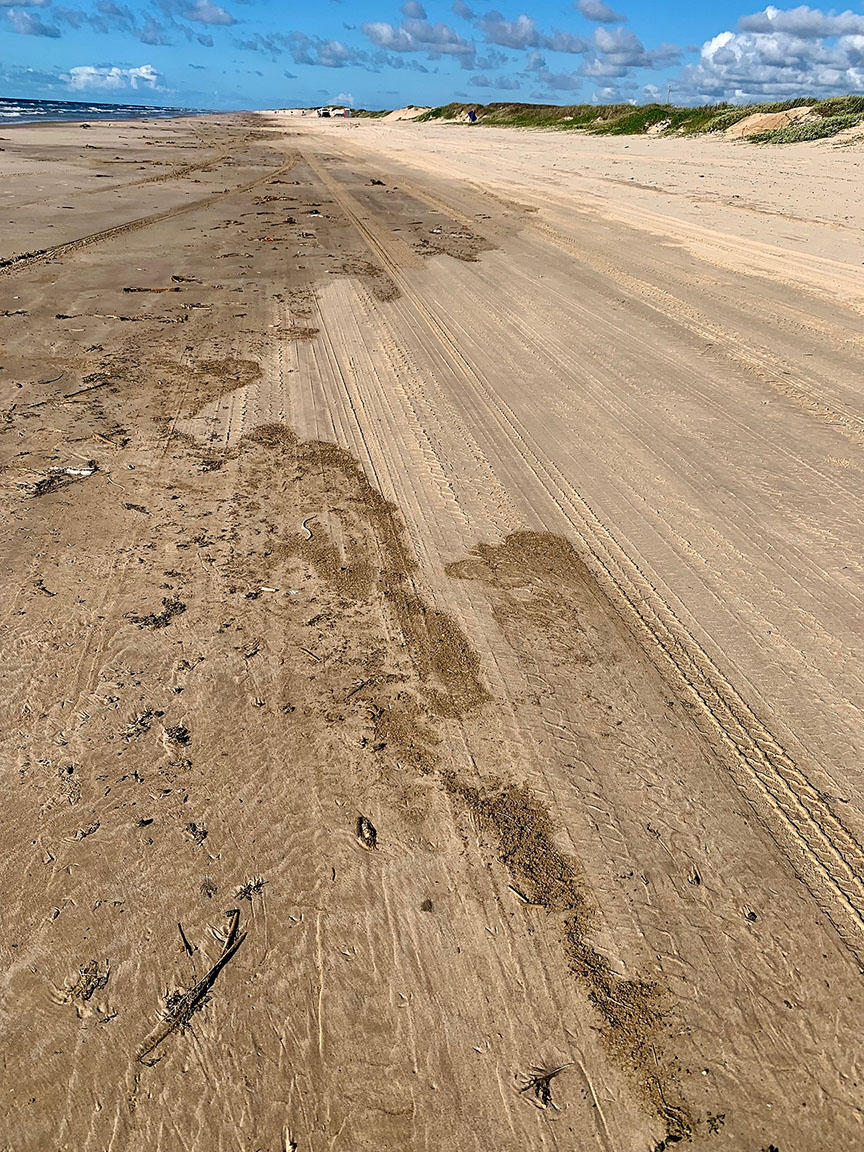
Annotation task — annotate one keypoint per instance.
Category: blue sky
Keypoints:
(375, 53)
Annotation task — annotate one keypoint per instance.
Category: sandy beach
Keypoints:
(432, 639)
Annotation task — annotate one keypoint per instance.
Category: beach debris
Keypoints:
(366, 833)
(521, 895)
(152, 289)
(178, 734)
(250, 888)
(90, 979)
(62, 477)
(83, 833)
(139, 724)
(69, 786)
(90, 387)
(540, 1083)
(196, 832)
(188, 948)
(180, 1005)
(171, 608)
(208, 887)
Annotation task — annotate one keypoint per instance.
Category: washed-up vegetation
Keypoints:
(824, 118)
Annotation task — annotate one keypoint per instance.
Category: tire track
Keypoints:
(815, 275)
(778, 376)
(27, 260)
(372, 408)
(822, 851)
(557, 341)
(161, 178)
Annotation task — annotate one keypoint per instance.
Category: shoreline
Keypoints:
(115, 120)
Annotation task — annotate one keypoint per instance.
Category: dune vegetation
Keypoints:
(824, 117)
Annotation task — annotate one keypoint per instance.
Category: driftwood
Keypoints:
(181, 1007)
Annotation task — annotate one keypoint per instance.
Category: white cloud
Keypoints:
(199, 11)
(502, 83)
(31, 24)
(803, 21)
(523, 33)
(618, 51)
(414, 35)
(600, 11)
(324, 53)
(89, 78)
(345, 98)
(777, 54)
(558, 81)
(203, 12)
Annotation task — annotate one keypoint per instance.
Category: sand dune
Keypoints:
(410, 112)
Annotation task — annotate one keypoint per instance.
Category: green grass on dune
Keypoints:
(827, 117)
(808, 130)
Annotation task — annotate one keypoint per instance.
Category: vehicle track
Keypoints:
(161, 178)
(823, 852)
(14, 264)
(807, 273)
(778, 375)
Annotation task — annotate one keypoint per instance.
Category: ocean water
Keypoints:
(28, 111)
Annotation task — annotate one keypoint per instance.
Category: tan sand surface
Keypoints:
(432, 640)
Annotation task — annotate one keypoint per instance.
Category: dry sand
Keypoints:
(432, 640)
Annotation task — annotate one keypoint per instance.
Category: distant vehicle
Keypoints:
(327, 113)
